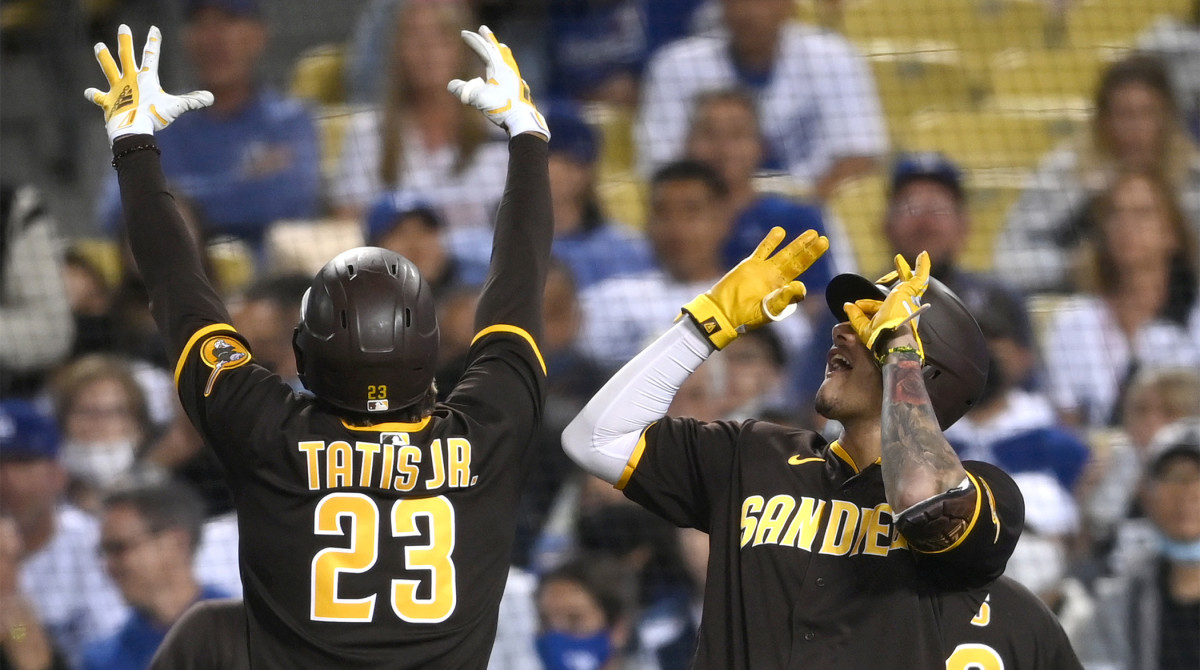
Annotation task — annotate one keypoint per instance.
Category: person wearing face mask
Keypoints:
(1150, 606)
(104, 420)
(584, 608)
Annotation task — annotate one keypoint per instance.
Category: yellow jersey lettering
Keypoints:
(866, 518)
(839, 531)
(458, 451)
(774, 515)
(368, 451)
(407, 460)
(312, 450)
(339, 465)
(875, 527)
(803, 529)
(750, 506)
(984, 616)
(439, 466)
(385, 468)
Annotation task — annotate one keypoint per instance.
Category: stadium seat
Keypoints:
(1117, 23)
(305, 246)
(908, 83)
(317, 75)
(859, 206)
(997, 144)
(1044, 80)
(974, 26)
(623, 198)
(331, 126)
(988, 208)
(614, 125)
(233, 264)
(102, 254)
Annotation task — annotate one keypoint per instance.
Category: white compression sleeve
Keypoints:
(604, 435)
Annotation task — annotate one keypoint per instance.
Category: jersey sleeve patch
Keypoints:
(219, 351)
(515, 330)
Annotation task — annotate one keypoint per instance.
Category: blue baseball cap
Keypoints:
(26, 432)
(570, 134)
(391, 207)
(928, 166)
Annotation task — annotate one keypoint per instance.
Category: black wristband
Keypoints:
(135, 148)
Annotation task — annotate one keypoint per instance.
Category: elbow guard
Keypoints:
(937, 523)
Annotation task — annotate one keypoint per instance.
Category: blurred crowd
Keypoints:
(683, 130)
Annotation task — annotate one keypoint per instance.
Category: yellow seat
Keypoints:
(318, 75)
(987, 142)
(331, 127)
(305, 246)
(971, 25)
(1117, 23)
(859, 206)
(614, 127)
(909, 83)
(623, 199)
(988, 208)
(233, 263)
(1042, 79)
(102, 254)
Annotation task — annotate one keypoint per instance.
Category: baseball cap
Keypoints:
(930, 166)
(570, 134)
(1049, 508)
(26, 432)
(390, 207)
(1181, 438)
(956, 353)
(231, 7)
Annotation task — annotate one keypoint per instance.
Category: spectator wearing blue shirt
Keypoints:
(592, 246)
(597, 49)
(148, 539)
(253, 157)
(725, 133)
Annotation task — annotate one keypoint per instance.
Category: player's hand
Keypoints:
(504, 96)
(876, 320)
(761, 288)
(135, 102)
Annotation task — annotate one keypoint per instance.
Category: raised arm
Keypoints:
(512, 293)
(181, 297)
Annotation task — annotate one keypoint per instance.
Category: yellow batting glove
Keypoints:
(135, 102)
(872, 319)
(504, 97)
(761, 288)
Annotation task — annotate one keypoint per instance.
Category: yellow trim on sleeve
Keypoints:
(505, 328)
(974, 517)
(992, 508)
(634, 459)
(391, 426)
(187, 348)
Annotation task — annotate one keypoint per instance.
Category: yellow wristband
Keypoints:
(712, 321)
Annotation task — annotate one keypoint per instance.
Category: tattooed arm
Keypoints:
(922, 476)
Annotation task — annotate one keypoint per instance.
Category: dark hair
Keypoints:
(1145, 69)
(283, 291)
(608, 581)
(69, 382)
(163, 505)
(691, 170)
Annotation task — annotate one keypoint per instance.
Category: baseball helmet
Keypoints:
(956, 353)
(368, 334)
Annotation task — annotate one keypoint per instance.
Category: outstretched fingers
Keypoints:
(150, 51)
(125, 50)
(768, 244)
(104, 57)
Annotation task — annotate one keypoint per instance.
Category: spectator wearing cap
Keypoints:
(1150, 606)
(58, 568)
(408, 225)
(593, 246)
(148, 540)
(597, 49)
(253, 157)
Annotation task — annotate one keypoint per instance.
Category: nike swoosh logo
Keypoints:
(796, 460)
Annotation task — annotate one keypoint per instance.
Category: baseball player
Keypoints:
(375, 524)
(822, 555)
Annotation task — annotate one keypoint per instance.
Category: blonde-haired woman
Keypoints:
(1136, 127)
(421, 139)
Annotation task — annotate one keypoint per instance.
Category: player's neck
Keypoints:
(861, 439)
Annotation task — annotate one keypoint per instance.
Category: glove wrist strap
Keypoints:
(712, 321)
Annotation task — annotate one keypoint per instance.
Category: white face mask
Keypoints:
(1038, 563)
(98, 463)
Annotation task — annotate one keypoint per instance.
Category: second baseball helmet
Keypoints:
(956, 353)
(368, 335)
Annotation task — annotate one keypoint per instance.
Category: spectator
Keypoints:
(26, 645)
(253, 157)
(423, 141)
(586, 610)
(817, 101)
(105, 423)
(1150, 607)
(35, 313)
(266, 316)
(410, 227)
(667, 632)
(1154, 399)
(1136, 128)
(725, 134)
(689, 222)
(1176, 40)
(597, 49)
(593, 246)
(59, 572)
(148, 540)
(91, 301)
(1140, 269)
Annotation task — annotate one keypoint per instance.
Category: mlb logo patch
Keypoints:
(377, 405)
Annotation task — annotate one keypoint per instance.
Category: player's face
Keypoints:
(925, 216)
(566, 607)
(1173, 499)
(725, 135)
(138, 559)
(853, 386)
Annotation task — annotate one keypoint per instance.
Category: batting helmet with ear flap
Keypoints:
(368, 335)
(956, 353)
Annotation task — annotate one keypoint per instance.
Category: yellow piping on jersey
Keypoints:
(634, 459)
(840, 452)
(992, 509)
(391, 426)
(505, 328)
(974, 517)
(187, 348)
